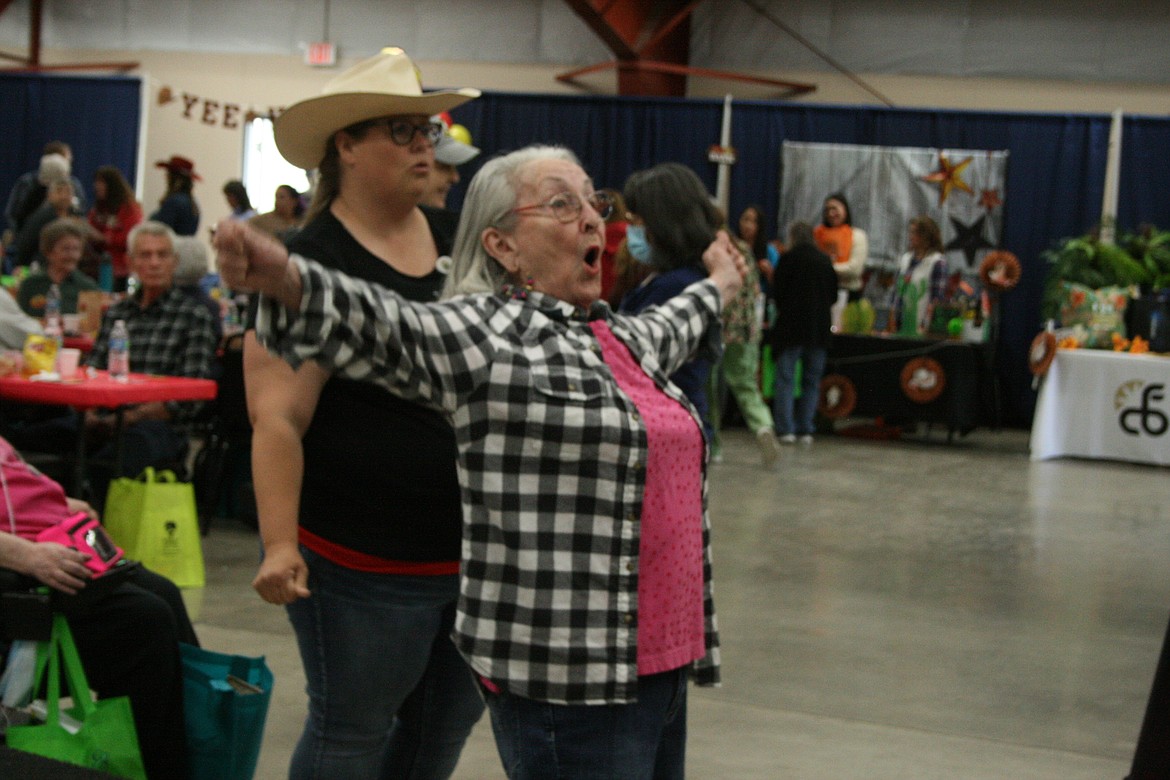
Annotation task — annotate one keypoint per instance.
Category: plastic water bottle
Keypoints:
(53, 326)
(119, 355)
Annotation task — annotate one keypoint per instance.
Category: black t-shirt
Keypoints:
(379, 471)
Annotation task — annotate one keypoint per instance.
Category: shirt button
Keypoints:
(572, 387)
(628, 618)
(630, 566)
(631, 518)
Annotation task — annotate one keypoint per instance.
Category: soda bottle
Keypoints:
(119, 355)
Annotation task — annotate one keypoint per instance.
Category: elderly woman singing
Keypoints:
(585, 593)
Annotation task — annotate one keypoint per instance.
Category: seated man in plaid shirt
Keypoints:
(171, 334)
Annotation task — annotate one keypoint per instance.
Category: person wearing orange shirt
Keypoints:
(846, 245)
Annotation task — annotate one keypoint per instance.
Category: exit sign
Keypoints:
(321, 55)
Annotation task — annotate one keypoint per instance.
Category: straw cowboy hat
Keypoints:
(384, 85)
(179, 165)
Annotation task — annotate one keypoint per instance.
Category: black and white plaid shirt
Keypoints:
(173, 336)
(551, 462)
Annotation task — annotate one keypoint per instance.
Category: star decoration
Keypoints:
(969, 239)
(948, 177)
(165, 96)
(990, 199)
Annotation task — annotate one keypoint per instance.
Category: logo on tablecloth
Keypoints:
(1137, 403)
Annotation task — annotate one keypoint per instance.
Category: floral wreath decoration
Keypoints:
(1000, 270)
(838, 396)
(1041, 353)
(923, 379)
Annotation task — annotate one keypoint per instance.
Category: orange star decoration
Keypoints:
(948, 178)
(990, 199)
(165, 96)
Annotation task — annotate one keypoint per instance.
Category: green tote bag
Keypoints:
(104, 738)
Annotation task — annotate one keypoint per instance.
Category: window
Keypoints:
(265, 169)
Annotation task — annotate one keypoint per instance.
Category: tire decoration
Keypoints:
(1000, 270)
(923, 379)
(1041, 353)
(838, 396)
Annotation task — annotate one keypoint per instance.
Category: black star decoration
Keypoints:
(969, 239)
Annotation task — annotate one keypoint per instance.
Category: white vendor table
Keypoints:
(1099, 404)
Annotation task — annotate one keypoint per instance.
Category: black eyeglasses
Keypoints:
(402, 131)
(567, 207)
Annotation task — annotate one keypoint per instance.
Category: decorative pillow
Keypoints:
(1101, 312)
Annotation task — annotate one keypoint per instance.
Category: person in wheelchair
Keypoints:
(127, 630)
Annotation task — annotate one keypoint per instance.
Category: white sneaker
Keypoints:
(769, 447)
(788, 438)
(806, 439)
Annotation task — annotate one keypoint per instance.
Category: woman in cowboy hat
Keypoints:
(178, 207)
(358, 501)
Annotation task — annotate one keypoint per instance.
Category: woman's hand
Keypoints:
(61, 568)
(283, 577)
(252, 260)
(725, 265)
(77, 505)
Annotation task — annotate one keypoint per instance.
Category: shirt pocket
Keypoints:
(567, 384)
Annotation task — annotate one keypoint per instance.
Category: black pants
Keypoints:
(128, 642)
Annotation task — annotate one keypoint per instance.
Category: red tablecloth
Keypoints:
(100, 390)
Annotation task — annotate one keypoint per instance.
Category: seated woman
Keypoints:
(128, 637)
(62, 243)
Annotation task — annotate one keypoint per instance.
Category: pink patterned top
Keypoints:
(670, 553)
(37, 502)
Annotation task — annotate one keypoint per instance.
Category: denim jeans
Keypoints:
(643, 740)
(797, 417)
(389, 695)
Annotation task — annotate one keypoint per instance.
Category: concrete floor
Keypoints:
(906, 609)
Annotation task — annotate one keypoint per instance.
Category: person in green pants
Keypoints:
(738, 371)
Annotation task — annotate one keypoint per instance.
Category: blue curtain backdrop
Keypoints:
(1055, 181)
(98, 116)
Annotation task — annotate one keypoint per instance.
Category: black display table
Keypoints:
(874, 364)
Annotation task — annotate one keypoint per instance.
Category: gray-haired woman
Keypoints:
(585, 588)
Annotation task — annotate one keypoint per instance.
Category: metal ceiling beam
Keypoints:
(650, 40)
(31, 62)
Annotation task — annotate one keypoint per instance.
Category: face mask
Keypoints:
(639, 247)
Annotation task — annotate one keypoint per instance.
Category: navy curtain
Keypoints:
(98, 116)
(1056, 168)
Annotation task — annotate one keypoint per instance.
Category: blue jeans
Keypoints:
(389, 695)
(644, 740)
(797, 417)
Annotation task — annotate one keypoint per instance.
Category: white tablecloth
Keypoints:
(1098, 404)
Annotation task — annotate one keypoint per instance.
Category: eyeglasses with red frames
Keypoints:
(567, 207)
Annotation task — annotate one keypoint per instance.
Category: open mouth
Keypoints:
(593, 256)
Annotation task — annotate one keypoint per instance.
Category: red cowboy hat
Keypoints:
(179, 165)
